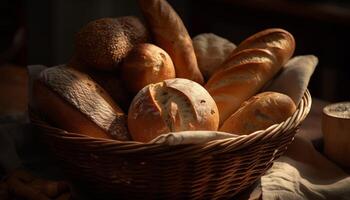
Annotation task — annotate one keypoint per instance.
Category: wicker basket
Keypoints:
(132, 170)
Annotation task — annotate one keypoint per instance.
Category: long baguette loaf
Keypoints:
(259, 112)
(280, 42)
(171, 35)
(71, 100)
(172, 105)
(249, 71)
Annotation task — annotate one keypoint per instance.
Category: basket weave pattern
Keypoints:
(214, 170)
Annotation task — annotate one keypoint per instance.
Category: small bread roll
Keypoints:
(144, 65)
(170, 34)
(171, 105)
(72, 101)
(103, 43)
(259, 112)
(278, 41)
(211, 51)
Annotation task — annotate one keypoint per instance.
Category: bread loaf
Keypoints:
(211, 51)
(249, 71)
(109, 81)
(280, 42)
(103, 43)
(72, 101)
(171, 105)
(144, 65)
(171, 35)
(259, 112)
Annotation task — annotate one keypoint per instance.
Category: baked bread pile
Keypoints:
(130, 80)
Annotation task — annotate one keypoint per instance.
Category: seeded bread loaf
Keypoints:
(171, 105)
(72, 101)
(103, 43)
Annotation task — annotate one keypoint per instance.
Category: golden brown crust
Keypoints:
(103, 43)
(74, 102)
(171, 35)
(172, 105)
(280, 42)
(144, 65)
(246, 75)
(259, 112)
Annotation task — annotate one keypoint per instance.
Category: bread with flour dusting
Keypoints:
(170, 106)
(72, 101)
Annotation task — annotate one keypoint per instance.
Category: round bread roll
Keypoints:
(72, 101)
(170, 106)
(103, 43)
(144, 65)
(278, 41)
(211, 51)
(259, 112)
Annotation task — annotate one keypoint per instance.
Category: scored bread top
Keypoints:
(171, 105)
(280, 42)
(87, 96)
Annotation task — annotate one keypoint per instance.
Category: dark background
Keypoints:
(42, 32)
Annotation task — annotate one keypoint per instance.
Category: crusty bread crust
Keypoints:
(103, 43)
(278, 41)
(73, 101)
(244, 76)
(170, 34)
(144, 65)
(172, 105)
(259, 112)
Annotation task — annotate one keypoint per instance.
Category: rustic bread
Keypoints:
(72, 101)
(144, 65)
(171, 35)
(259, 112)
(169, 106)
(280, 42)
(211, 51)
(249, 71)
(109, 81)
(103, 43)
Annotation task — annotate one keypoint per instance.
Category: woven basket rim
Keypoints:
(236, 143)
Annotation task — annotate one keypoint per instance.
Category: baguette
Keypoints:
(170, 106)
(170, 34)
(251, 69)
(147, 64)
(259, 112)
(278, 41)
(72, 101)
